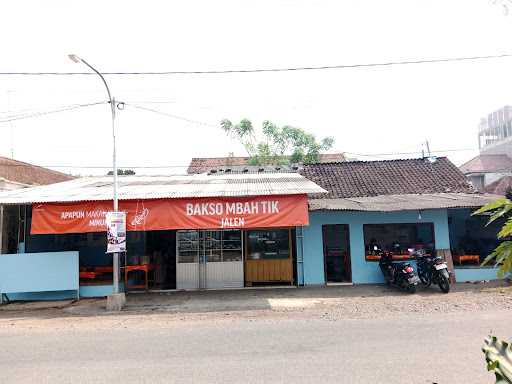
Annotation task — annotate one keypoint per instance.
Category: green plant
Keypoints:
(498, 355)
(502, 255)
(279, 145)
(121, 172)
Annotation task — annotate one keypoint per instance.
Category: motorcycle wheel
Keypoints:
(425, 279)
(444, 283)
(411, 289)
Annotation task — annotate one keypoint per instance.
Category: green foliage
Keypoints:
(279, 145)
(122, 172)
(501, 257)
(498, 355)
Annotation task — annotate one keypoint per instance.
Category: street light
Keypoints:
(111, 100)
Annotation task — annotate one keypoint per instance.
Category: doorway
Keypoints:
(209, 259)
(336, 246)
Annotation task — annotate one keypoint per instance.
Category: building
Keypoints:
(236, 163)
(485, 170)
(16, 174)
(413, 203)
(495, 159)
(238, 230)
(183, 232)
(495, 132)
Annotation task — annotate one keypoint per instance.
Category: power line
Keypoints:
(263, 70)
(188, 165)
(28, 115)
(171, 115)
(410, 153)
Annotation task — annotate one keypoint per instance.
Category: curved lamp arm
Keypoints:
(77, 59)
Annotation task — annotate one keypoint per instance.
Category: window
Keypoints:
(268, 244)
(232, 245)
(477, 182)
(397, 238)
(215, 246)
(471, 240)
(188, 246)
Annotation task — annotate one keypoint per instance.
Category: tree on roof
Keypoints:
(278, 145)
(122, 172)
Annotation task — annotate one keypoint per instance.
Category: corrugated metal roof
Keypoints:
(390, 203)
(157, 187)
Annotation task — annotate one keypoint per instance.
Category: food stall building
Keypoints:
(183, 232)
(229, 230)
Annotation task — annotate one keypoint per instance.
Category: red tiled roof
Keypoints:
(206, 164)
(388, 177)
(487, 163)
(24, 173)
(500, 186)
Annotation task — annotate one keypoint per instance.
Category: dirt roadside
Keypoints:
(328, 303)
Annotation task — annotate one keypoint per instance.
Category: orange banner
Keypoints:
(161, 214)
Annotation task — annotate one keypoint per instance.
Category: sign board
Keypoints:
(166, 214)
(116, 231)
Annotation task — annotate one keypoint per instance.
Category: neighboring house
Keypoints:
(502, 187)
(415, 202)
(208, 164)
(16, 174)
(485, 169)
(495, 159)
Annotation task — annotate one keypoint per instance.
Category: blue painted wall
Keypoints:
(362, 271)
(85, 291)
(475, 274)
(39, 272)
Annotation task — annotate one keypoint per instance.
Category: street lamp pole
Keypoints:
(111, 100)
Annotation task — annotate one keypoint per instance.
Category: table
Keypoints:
(146, 268)
(464, 258)
(94, 273)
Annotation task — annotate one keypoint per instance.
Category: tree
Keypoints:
(122, 172)
(502, 255)
(279, 145)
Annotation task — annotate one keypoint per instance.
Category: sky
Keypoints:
(369, 111)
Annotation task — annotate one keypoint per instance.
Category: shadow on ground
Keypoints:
(279, 299)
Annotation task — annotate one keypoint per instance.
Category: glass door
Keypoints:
(209, 259)
(187, 260)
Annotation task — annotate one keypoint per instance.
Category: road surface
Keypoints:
(299, 345)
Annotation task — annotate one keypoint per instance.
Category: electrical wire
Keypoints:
(171, 115)
(409, 153)
(263, 70)
(28, 115)
(188, 165)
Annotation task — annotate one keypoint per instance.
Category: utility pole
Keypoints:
(117, 300)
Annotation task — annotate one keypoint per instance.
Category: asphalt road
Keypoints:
(235, 348)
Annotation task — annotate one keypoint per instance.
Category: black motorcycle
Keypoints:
(432, 270)
(399, 274)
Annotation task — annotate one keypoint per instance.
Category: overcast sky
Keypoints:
(368, 110)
